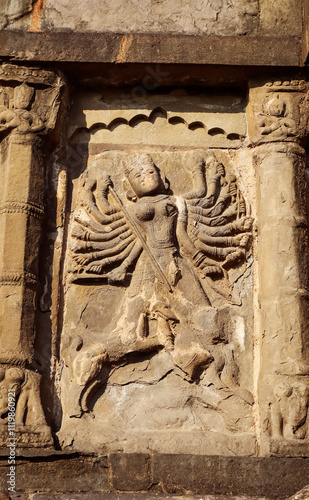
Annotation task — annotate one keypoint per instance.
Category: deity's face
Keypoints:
(145, 179)
(275, 107)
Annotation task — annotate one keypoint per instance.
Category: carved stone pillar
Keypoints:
(277, 128)
(29, 102)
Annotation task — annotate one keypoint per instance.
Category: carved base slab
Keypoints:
(28, 437)
(289, 448)
(161, 441)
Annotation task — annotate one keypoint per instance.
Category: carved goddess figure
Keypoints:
(174, 248)
(276, 120)
(17, 114)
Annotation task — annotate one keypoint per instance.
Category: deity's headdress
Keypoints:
(135, 161)
(275, 106)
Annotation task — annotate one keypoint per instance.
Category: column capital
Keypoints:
(278, 111)
(29, 100)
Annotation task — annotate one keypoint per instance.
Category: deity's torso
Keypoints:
(156, 216)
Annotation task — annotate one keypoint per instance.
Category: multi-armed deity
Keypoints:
(173, 254)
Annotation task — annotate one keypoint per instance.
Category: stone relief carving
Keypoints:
(25, 384)
(29, 103)
(22, 387)
(274, 112)
(17, 114)
(173, 254)
(289, 412)
(278, 124)
(127, 120)
(184, 124)
(24, 109)
(165, 255)
(276, 120)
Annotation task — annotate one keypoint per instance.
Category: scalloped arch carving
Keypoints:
(173, 130)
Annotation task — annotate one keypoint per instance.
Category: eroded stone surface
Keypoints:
(159, 325)
(175, 119)
(164, 327)
(159, 271)
(170, 475)
(12, 10)
(28, 110)
(200, 16)
(280, 17)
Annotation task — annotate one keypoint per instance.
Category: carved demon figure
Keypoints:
(173, 253)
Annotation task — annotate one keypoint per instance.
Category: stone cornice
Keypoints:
(93, 47)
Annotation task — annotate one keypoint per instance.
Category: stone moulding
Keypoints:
(29, 103)
(278, 127)
(10, 207)
(18, 278)
(171, 120)
(178, 285)
(140, 251)
(104, 194)
(169, 49)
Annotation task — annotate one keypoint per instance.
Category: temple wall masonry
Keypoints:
(154, 286)
(192, 17)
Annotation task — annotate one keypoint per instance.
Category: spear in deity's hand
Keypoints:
(138, 233)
